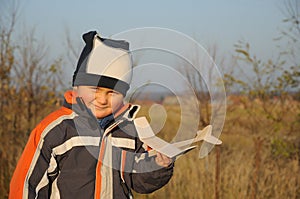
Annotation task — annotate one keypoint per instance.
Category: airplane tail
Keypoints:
(205, 134)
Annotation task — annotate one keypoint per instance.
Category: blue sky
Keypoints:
(216, 22)
(209, 22)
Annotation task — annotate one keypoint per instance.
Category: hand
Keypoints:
(162, 160)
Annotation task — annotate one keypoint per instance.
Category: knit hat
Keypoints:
(105, 63)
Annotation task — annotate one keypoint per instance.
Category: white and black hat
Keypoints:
(105, 63)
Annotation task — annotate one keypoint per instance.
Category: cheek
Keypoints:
(116, 102)
(87, 97)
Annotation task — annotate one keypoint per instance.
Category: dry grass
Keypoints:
(195, 178)
(247, 166)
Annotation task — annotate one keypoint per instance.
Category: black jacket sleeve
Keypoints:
(147, 176)
(151, 181)
(142, 174)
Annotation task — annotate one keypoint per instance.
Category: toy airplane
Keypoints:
(171, 150)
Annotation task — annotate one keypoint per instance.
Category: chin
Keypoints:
(101, 115)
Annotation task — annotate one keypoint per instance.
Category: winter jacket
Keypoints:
(70, 154)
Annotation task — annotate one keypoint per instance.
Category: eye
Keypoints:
(93, 88)
(113, 92)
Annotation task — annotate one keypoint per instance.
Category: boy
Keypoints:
(89, 147)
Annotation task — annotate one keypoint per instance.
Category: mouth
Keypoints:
(99, 107)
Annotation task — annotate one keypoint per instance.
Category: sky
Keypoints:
(210, 22)
(216, 22)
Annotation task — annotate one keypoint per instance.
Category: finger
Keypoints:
(163, 160)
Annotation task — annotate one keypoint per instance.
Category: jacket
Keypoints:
(70, 154)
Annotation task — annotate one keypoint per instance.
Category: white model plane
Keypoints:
(171, 150)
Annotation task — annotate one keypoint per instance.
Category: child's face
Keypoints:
(101, 101)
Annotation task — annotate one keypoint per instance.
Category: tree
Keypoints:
(7, 25)
(29, 87)
(267, 87)
(269, 111)
(198, 82)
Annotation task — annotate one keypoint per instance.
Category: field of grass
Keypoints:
(246, 165)
(259, 156)
(239, 175)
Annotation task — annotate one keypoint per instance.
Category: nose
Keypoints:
(101, 98)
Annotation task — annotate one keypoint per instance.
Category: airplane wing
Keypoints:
(184, 151)
(171, 150)
(147, 135)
